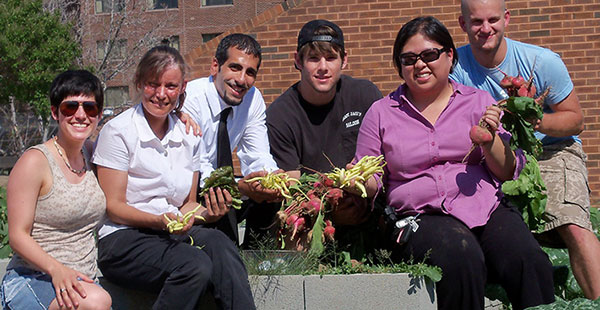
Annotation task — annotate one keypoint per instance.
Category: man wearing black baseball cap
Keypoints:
(314, 123)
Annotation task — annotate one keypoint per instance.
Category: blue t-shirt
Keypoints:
(521, 59)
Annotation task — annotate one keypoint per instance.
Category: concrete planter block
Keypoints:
(278, 292)
(369, 291)
(314, 292)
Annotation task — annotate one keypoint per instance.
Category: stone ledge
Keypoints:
(356, 291)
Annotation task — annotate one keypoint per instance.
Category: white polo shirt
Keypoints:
(159, 172)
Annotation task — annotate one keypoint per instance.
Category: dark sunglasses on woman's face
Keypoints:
(428, 55)
(69, 107)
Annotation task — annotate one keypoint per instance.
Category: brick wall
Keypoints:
(569, 27)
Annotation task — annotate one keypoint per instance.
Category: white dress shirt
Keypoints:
(246, 126)
(159, 172)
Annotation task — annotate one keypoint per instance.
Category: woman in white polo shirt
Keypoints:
(147, 168)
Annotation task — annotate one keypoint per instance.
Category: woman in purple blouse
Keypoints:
(464, 226)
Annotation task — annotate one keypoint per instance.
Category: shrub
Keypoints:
(5, 250)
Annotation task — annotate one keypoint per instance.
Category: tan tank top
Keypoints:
(66, 219)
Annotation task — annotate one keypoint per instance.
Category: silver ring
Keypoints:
(62, 290)
(228, 205)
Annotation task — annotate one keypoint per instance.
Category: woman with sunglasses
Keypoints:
(464, 225)
(148, 168)
(54, 206)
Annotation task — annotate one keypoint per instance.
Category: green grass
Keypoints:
(268, 260)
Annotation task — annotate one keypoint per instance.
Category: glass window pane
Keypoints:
(105, 6)
(209, 36)
(216, 2)
(165, 4)
(118, 51)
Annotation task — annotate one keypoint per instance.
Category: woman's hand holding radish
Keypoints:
(491, 118)
(499, 158)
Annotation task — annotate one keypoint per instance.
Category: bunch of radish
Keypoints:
(309, 197)
(305, 216)
(515, 87)
(521, 110)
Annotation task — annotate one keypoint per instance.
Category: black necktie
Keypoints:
(223, 145)
(228, 223)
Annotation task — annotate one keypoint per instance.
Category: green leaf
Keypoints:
(433, 274)
(223, 177)
(316, 244)
(528, 191)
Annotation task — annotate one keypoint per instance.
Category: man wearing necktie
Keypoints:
(231, 113)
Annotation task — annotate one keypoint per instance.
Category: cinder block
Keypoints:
(369, 291)
(278, 292)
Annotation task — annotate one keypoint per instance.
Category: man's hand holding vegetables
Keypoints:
(313, 125)
(484, 63)
(230, 87)
(255, 191)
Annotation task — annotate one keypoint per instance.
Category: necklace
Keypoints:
(65, 159)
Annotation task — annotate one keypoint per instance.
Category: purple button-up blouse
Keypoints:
(424, 171)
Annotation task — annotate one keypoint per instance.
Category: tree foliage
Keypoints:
(34, 47)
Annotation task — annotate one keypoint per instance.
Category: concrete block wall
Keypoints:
(358, 291)
(569, 27)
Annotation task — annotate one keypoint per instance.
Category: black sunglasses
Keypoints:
(68, 108)
(428, 55)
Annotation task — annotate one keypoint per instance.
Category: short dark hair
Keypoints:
(242, 42)
(430, 28)
(75, 83)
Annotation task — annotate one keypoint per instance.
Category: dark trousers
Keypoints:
(503, 250)
(260, 223)
(178, 272)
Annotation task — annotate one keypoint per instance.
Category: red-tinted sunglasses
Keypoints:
(68, 108)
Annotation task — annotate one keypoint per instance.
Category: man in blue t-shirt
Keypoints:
(482, 64)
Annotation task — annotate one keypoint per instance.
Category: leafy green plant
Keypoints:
(579, 304)
(382, 263)
(527, 192)
(5, 250)
(223, 177)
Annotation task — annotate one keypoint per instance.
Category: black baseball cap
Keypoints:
(307, 33)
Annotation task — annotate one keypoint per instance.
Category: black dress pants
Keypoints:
(180, 273)
(504, 249)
